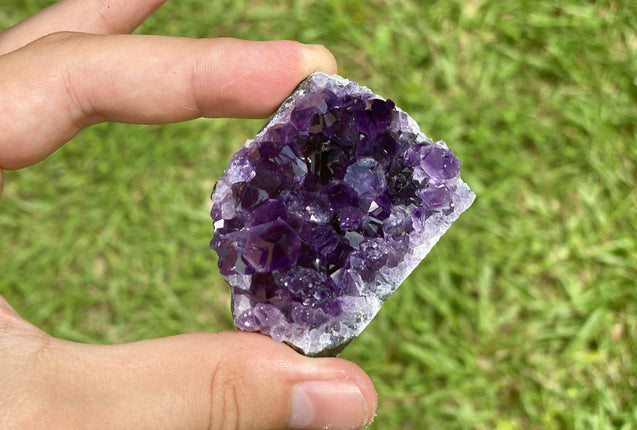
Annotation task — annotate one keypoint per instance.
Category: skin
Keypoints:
(73, 65)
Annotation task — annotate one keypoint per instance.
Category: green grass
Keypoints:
(524, 316)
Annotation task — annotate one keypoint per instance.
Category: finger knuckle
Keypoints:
(225, 392)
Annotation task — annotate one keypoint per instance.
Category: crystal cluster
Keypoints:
(322, 215)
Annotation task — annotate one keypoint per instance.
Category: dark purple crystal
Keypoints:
(322, 215)
(271, 246)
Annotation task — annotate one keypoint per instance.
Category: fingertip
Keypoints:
(337, 394)
(250, 79)
(357, 375)
(318, 57)
(366, 386)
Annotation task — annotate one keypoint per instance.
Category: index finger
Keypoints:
(56, 86)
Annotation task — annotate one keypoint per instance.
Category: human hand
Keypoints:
(54, 84)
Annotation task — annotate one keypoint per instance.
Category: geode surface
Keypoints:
(322, 215)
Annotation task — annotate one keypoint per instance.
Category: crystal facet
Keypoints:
(322, 215)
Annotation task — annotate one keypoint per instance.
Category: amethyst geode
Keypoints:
(322, 215)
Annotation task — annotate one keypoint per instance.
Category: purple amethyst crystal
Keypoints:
(322, 215)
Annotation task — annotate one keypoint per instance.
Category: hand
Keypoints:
(52, 85)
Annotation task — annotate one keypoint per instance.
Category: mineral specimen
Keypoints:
(322, 215)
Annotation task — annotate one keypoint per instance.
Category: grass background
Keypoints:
(524, 316)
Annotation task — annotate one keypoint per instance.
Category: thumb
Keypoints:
(208, 381)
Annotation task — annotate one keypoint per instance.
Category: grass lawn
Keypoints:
(524, 316)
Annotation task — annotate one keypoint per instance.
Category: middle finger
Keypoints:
(85, 16)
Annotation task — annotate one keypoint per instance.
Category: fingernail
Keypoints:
(317, 57)
(328, 405)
